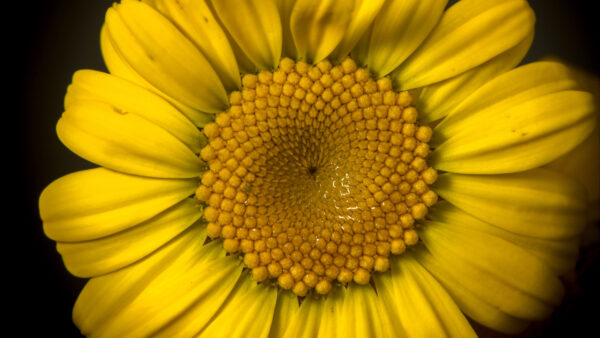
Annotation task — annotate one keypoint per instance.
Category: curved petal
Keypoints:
(247, 312)
(583, 162)
(418, 304)
(286, 308)
(147, 297)
(332, 322)
(94, 203)
(256, 27)
(306, 322)
(437, 100)
(501, 273)
(471, 303)
(509, 139)
(195, 19)
(359, 314)
(107, 254)
(285, 13)
(125, 142)
(508, 90)
(539, 202)
(470, 33)
(560, 254)
(318, 26)
(119, 67)
(363, 15)
(163, 56)
(361, 50)
(398, 30)
(127, 97)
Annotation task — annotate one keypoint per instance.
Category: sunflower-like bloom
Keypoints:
(304, 168)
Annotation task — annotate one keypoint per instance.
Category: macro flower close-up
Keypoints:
(323, 168)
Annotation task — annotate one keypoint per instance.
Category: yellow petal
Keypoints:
(156, 293)
(560, 255)
(332, 322)
(247, 312)
(128, 97)
(500, 273)
(359, 315)
(363, 15)
(285, 13)
(523, 136)
(196, 20)
(306, 322)
(539, 202)
(286, 308)
(437, 100)
(472, 304)
(506, 91)
(119, 67)
(244, 63)
(361, 50)
(94, 203)
(163, 56)
(107, 254)
(125, 142)
(255, 26)
(318, 26)
(398, 30)
(418, 304)
(583, 162)
(470, 33)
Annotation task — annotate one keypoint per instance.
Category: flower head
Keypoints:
(319, 168)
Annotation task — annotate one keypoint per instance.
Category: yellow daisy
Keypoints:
(303, 168)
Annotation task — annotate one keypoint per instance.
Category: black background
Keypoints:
(46, 42)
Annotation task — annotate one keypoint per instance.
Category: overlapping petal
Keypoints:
(306, 322)
(417, 304)
(332, 321)
(256, 27)
(285, 13)
(539, 202)
(247, 305)
(501, 274)
(127, 97)
(439, 99)
(515, 122)
(470, 33)
(359, 314)
(154, 294)
(164, 57)
(583, 162)
(470, 302)
(94, 203)
(118, 140)
(398, 30)
(196, 20)
(107, 254)
(285, 309)
(117, 66)
(346, 313)
(318, 27)
(558, 254)
(362, 18)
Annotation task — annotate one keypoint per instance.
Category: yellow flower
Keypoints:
(272, 168)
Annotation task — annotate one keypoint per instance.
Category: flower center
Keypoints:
(317, 174)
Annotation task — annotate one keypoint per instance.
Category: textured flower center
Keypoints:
(317, 174)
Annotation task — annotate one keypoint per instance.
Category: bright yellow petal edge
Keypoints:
(493, 250)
